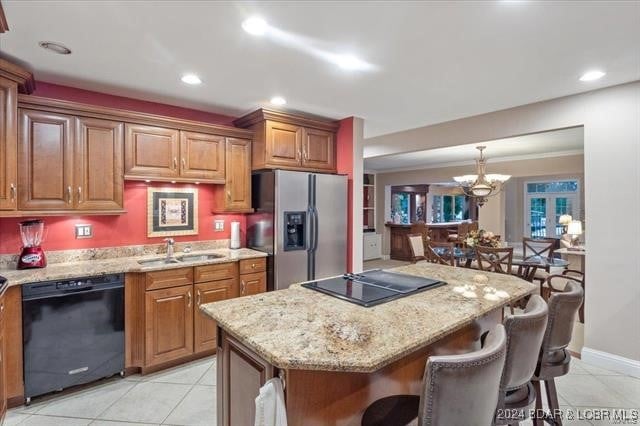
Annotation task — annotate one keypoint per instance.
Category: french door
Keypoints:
(545, 202)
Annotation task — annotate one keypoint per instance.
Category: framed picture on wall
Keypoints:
(172, 212)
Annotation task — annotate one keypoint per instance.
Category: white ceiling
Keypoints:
(434, 61)
(539, 145)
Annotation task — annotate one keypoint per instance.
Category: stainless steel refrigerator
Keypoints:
(300, 220)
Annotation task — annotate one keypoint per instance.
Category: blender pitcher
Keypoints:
(32, 255)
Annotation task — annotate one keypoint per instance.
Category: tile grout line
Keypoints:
(117, 399)
(185, 395)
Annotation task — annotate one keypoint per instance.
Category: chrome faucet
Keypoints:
(170, 243)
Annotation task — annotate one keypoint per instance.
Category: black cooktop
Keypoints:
(374, 287)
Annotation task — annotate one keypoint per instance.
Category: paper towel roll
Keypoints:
(235, 235)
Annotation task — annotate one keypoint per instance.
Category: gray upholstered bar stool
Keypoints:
(457, 390)
(554, 357)
(524, 338)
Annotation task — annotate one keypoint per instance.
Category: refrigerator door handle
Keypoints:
(315, 229)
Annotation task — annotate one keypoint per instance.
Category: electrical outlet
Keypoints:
(84, 231)
(218, 225)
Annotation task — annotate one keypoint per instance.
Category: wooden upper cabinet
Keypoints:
(205, 328)
(290, 141)
(283, 144)
(8, 144)
(237, 189)
(45, 161)
(318, 149)
(169, 324)
(99, 164)
(202, 157)
(151, 152)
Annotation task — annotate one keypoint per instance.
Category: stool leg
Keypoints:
(552, 398)
(537, 421)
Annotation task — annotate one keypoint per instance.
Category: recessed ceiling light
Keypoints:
(191, 79)
(55, 47)
(278, 100)
(592, 75)
(255, 26)
(350, 62)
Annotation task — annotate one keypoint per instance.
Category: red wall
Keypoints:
(129, 228)
(345, 166)
(120, 230)
(56, 91)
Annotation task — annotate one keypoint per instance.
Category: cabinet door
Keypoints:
(283, 144)
(150, 152)
(99, 161)
(253, 283)
(8, 145)
(45, 161)
(202, 156)
(238, 185)
(205, 329)
(318, 150)
(168, 324)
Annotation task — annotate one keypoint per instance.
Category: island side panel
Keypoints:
(316, 398)
(240, 374)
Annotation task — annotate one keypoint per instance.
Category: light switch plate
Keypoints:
(84, 231)
(218, 225)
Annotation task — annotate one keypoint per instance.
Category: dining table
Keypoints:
(527, 265)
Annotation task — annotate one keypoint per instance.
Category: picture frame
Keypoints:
(172, 212)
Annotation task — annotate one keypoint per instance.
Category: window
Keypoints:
(545, 202)
(449, 208)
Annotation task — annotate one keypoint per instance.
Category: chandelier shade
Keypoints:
(481, 185)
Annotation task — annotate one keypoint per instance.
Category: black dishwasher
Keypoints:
(73, 332)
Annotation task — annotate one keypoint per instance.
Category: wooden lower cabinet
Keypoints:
(253, 283)
(169, 324)
(205, 335)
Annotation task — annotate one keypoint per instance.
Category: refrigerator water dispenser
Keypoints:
(294, 231)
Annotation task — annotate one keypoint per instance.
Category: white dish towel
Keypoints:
(270, 408)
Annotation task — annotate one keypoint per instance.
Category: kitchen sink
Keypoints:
(199, 257)
(158, 262)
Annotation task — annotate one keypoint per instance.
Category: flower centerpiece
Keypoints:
(482, 238)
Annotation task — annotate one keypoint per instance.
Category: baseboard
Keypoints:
(613, 362)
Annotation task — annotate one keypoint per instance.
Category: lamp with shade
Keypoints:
(574, 229)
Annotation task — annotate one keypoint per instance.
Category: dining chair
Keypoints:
(553, 283)
(554, 358)
(456, 390)
(542, 247)
(445, 256)
(525, 332)
(492, 259)
(416, 245)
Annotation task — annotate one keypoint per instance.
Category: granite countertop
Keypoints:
(116, 265)
(298, 328)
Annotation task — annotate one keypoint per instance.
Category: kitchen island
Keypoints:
(336, 357)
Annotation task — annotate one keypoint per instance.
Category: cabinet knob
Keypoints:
(304, 154)
(189, 299)
(184, 164)
(253, 265)
(242, 287)
(79, 194)
(228, 195)
(69, 195)
(198, 298)
(175, 162)
(14, 193)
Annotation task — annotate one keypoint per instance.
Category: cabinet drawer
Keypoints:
(169, 278)
(215, 272)
(249, 266)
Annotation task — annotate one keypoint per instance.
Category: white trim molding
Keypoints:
(613, 362)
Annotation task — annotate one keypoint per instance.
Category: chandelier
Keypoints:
(481, 185)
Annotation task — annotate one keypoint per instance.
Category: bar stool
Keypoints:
(456, 390)
(524, 339)
(554, 358)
